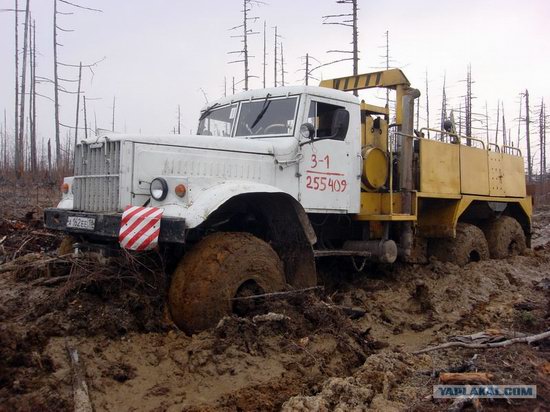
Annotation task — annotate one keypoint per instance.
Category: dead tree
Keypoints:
(282, 66)
(347, 20)
(519, 117)
(113, 123)
(275, 47)
(85, 117)
(469, 103)
(504, 139)
(179, 119)
(443, 104)
(246, 32)
(498, 119)
(49, 158)
(487, 121)
(427, 104)
(542, 137)
(528, 138)
(5, 143)
(307, 69)
(77, 105)
(33, 100)
(56, 94)
(17, 155)
(21, 137)
(265, 55)
(387, 57)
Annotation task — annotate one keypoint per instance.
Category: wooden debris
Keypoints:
(279, 294)
(82, 402)
(353, 312)
(523, 339)
(473, 378)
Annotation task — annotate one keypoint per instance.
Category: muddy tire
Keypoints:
(505, 237)
(217, 269)
(469, 245)
(66, 246)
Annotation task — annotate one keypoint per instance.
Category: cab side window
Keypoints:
(321, 116)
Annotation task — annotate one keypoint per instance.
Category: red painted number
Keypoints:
(324, 183)
(315, 161)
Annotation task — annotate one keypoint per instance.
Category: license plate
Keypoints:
(77, 222)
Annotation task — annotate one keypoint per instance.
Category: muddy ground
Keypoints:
(302, 353)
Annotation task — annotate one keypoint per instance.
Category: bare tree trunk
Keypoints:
(427, 104)
(275, 60)
(487, 121)
(307, 69)
(5, 142)
(77, 104)
(245, 40)
(282, 66)
(58, 158)
(528, 137)
(542, 137)
(16, 116)
(498, 120)
(179, 119)
(265, 53)
(355, 43)
(19, 171)
(469, 105)
(33, 100)
(443, 104)
(519, 117)
(85, 118)
(49, 158)
(114, 105)
(504, 139)
(387, 68)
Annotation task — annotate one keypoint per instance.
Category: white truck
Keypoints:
(272, 179)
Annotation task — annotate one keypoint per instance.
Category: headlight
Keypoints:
(159, 189)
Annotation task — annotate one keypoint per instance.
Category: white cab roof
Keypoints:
(287, 90)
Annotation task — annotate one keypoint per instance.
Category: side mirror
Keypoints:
(340, 124)
(307, 130)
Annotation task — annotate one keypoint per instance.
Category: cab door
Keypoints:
(329, 170)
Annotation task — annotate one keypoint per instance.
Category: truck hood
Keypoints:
(274, 146)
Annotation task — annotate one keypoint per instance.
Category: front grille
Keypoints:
(96, 182)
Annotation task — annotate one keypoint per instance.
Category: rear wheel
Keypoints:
(220, 267)
(469, 245)
(505, 237)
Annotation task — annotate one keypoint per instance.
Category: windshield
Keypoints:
(267, 117)
(217, 121)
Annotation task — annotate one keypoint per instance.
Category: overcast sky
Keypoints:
(159, 54)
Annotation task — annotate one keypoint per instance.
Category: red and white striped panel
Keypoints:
(140, 228)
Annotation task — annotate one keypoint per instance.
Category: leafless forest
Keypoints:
(26, 151)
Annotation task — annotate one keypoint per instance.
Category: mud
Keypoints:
(301, 353)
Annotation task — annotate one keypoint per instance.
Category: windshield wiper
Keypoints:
(262, 112)
(207, 111)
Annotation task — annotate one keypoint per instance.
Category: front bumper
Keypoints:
(107, 225)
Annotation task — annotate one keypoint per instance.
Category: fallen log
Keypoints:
(449, 378)
(81, 396)
(524, 339)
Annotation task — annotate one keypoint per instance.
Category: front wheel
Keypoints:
(218, 268)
